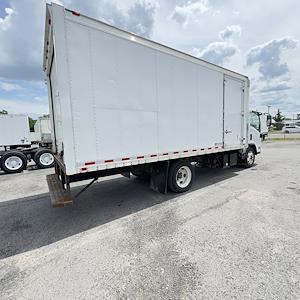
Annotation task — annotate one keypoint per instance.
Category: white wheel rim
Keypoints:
(46, 159)
(13, 163)
(183, 177)
(250, 158)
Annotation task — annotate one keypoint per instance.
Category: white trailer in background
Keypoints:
(14, 131)
(43, 128)
(123, 104)
(18, 145)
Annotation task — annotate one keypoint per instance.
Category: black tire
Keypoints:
(286, 131)
(249, 158)
(17, 165)
(173, 179)
(40, 161)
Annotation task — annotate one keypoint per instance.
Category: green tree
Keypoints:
(278, 118)
(31, 124)
(3, 112)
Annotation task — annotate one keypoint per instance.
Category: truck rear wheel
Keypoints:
(13, 162)
(44, 159)
(180, 176)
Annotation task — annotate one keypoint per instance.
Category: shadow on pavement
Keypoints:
(30, 223)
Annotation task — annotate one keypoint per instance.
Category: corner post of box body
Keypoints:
(64, 84)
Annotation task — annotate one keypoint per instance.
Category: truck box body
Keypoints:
(117, 99)
(14, 130)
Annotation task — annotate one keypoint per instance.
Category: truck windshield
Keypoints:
(254, 120)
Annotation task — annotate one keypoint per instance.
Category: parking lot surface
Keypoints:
(235, 235)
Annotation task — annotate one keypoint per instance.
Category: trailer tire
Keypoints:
(249, 158)
(180, 178)
(44, 158)
(13, 162)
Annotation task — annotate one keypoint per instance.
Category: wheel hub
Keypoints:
(183, 177)
(250, 158)
(46, 159)
(13, 163)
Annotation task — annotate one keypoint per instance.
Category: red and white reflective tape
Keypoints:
(111, 163)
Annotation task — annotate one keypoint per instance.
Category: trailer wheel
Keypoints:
(180, 177)
(13, 162)
(44, 159)
(250, 158)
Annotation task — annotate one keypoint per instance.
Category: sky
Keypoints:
(260, 39)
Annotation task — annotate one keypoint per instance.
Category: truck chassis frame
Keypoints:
(60, 183)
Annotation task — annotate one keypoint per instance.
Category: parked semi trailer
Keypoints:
(122, 104)
(43, 128)
(18, 145)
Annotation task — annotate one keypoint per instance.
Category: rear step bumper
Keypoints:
(59, 197)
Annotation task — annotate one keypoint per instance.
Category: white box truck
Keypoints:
(18, 145)
(122, 104)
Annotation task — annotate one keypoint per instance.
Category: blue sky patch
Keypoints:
(3, 5)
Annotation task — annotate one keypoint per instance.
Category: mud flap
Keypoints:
(159, 177)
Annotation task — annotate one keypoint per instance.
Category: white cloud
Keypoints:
(276, 86)
(16, 106)
(190, 11)
(5, 22)
(230, 31)
(268, 57)
(216, 52)
(182, 24)
(21, 42)
(133, 15)
(273, 84)
(8, 87)
(22, 30)
(220, 52)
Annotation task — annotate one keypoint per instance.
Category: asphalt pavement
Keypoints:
(236, 234)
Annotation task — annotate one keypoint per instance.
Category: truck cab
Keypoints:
(261, 122)
(254, 133)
